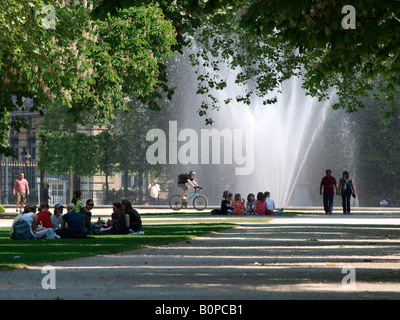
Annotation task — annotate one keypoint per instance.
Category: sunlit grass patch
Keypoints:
(18, 254)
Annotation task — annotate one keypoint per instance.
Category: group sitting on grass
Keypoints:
(73, 225)
(263, 205)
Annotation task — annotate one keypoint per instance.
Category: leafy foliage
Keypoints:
(267, 42)
(88, 65)
(76, 152)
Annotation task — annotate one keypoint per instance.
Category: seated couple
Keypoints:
(125, 219)
(265, 205)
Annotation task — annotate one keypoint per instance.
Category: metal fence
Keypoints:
(58, 185)
(10, 169)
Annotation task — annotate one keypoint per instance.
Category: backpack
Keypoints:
(183, 177)
(22, 231)
(216, 212)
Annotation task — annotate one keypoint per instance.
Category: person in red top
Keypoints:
(20, 188)
(328, 183)
(261, 205)
(238, 208)
(44, 216)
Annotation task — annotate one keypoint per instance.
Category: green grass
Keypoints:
(177, 214)
(18, 254)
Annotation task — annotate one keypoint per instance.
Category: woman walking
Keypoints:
(347, 189)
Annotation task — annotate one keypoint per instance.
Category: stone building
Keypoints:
(26, 146)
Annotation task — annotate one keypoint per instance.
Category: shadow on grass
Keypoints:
(18, 254)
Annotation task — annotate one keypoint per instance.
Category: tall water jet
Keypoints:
(284, 134)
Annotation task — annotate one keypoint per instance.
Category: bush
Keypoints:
(118, 195)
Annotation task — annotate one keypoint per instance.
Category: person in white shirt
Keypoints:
(154, 189)
(38, 232)
(271, 205)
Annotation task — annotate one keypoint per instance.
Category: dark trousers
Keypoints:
(328, 202)
(153, 200)
(68, 234)
(346, 201)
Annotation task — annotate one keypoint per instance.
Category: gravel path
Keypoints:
(287, 258)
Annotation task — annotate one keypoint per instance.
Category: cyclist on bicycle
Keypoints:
(185, 180)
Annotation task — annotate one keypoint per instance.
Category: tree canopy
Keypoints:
(88, 65)
(270, 41)
(90, 55)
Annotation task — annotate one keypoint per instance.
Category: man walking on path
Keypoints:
(21, 188)
(328, 183)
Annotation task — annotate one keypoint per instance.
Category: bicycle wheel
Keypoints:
(175, 202)
(200, 202)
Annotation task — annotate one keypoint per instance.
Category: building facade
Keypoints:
(26, 145)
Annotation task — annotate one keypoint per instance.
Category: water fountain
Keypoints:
(284, 136)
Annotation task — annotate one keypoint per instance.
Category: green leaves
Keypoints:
(271, 41)
(76, 152)
(87, 65)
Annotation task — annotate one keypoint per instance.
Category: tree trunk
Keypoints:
(140, 184)
(71, 185)
(126, 176)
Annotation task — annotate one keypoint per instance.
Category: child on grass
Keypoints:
(251, 201)
(238, 206)
(226, 204)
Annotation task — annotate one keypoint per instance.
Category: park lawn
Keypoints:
(200, 214)
(19, 254)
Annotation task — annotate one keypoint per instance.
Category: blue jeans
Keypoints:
(328, 203)
(346, 202)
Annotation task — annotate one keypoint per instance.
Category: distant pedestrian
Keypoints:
(329, 184)
(347, 189)
(154, 189)
(21, 189)
(45, 194)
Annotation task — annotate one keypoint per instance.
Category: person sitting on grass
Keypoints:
(36, 231)
(260, 206)
(44, 216)
(135, 222)
(56, 217)
(226, 204)
(238, 206)
(87, 214)
(271, 205)
(120, 221)
(72, 225)
(251, 201)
